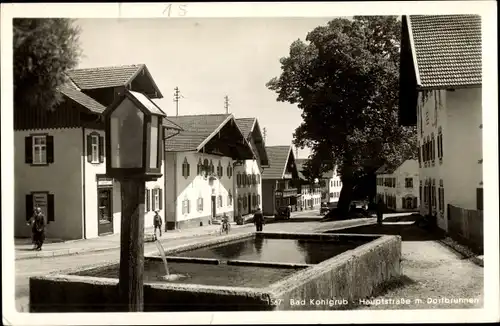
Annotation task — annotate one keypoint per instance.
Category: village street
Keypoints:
(300, 222)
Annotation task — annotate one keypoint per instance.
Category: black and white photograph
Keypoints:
(249, 162)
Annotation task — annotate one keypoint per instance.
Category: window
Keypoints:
(409, 182)
(199, 167)
(245, 202)
(254, 200)
(238, 179)
(39, 149)
(240, 202)
(258, 200)
(420, 190)
(229, 170)
(212, 167)
(433, 194)
(220, 170)
(219, 201)
(419, 158)
(479, 198)
(258, 179)
(229, 198)
(441, 197)
(185, 206)
(440, 144)
(433, 148)
(147, 205)
(95, 148)
(199, 204)
(185, 168)
(157, 202)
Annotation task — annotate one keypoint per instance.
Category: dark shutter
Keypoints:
(50, 149)
(50, 208)
(161, 199)
(89, 148)
(479, 198)
(101, 149)
(28, 149)
(147, 200)
(29, 206)
(415, 202)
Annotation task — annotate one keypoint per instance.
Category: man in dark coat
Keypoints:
(258, 219)
(157, 222)
(37, 222)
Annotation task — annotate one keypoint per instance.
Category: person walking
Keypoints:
(157, 222)
(258, 219)
(380, 211)
(37, 222)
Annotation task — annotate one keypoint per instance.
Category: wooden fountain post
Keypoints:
(131, 279)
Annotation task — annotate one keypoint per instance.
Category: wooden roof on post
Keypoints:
(437, 52)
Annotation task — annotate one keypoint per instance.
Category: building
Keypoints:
(199, 168)
(62, 167)
(399, 187)
(310, 194)
(279, 180)
(440, 92)
(248, 173)
(331, 185)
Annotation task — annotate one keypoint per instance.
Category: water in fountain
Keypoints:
(167, 276)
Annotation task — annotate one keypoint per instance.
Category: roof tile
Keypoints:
(278, 157)
(196, 128)
(245, 125)
(82, 99)
(103, 77)
(448, 49)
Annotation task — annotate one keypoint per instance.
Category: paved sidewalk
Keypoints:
(51, 247)
(54, 248)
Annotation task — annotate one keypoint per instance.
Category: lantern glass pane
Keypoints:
(153, 152)
(126, 134)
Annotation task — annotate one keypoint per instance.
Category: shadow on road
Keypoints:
(408, 232)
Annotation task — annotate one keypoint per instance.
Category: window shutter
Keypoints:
(50, 149)
(50, 208)
(89, 148)
(101, 149)
(29, 205)
(188, 206)
(147, 200)
(28, 150)
(160, 201)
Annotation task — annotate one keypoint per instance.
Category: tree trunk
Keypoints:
(345, 198)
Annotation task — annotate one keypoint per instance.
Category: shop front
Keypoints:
(104, 205)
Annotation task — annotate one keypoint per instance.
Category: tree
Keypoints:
(345, 78)
(44, 49)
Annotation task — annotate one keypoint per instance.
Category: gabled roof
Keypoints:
(197, 130)
(300, 162)
(384, 169)
(104, 77)
(278, 158)
(447, 49)
(82, 99)
(246, 125)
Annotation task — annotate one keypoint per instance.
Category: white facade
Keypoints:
(74, 184)
(332, 187)
(455, 175)
(191, 198)
(247, 187)
(400, 190)
(311, 197)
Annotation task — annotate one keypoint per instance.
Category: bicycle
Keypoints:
(225, 227)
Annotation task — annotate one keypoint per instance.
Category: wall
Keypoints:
(248, 167)
(409, 169)
(194, 187)
(268, 202)
(91, 200)
(63, 179)
(458, 113)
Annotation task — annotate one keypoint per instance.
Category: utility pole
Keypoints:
(226, 104)
(177, 96)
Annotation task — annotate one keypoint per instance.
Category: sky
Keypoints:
(207, 58)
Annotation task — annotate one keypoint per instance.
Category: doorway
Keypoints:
(214, 207)
(250, 204)
(105, 211)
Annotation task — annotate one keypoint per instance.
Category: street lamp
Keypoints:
(133, 156)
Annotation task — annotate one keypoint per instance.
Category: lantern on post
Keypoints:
(134, 140)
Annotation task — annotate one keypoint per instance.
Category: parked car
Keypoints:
(283, 212)
(326, 207)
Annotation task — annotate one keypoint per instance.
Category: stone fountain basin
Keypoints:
(221, 284)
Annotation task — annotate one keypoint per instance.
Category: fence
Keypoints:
(466, 226)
